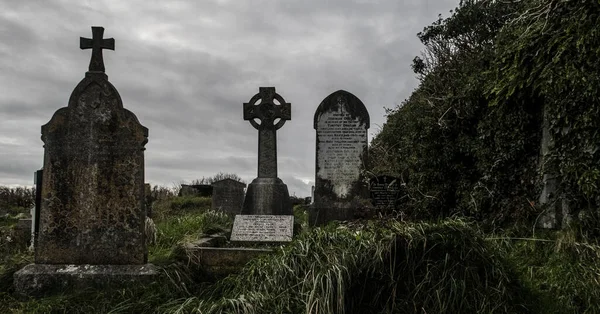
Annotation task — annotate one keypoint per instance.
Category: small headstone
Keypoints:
(22, 232)
(385, 192)
(267, 194)
(92, 192)
(202, 190)
(228, 196)
(341, 122)
(262, 228)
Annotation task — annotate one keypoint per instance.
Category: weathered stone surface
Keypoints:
(92, 207)
(222, 261)
(202, 190)
(385, 192)
(262, 228)
(43, 279)
(228, 196)
(341, 122)
(267, 194)
(22, 233)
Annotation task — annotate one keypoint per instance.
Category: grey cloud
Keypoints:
(185, 68)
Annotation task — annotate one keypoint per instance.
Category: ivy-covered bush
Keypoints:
(468, 139)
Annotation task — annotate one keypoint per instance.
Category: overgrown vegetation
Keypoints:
(466, 143)
(468, 139)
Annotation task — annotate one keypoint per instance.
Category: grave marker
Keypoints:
(263, 228)
(341, 122)
(92, 193)
(267, 194)
(385, 191)
(228, 196)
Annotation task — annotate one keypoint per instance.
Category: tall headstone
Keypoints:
(228, 196)
(92, 209)
(341, 122)
(267, 194)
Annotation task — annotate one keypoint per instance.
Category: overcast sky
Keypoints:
(186, 67)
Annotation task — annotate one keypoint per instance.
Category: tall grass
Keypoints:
(392, 267)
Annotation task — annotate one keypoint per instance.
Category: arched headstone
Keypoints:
(341, 122)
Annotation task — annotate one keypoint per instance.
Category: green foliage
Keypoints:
(468, 139)
(218, 177)
(390, 267)
(18, 199)
(178, 205)
(562, 273)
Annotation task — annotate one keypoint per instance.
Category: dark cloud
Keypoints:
(186, 67)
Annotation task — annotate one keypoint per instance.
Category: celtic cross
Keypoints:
(267, 106)
(97, 43)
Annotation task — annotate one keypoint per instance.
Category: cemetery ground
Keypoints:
(366, 266)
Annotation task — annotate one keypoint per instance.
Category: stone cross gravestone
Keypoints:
(341, 122)
(267, 194)
(92, 207)
(228, 196)
(385, 192)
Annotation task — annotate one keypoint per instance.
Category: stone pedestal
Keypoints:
(267, 196)
(43, 279)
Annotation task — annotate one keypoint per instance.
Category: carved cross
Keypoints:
(267, 111)
(97, 43)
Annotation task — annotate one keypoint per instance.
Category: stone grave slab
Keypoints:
(263, 228)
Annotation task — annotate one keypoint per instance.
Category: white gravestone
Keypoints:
(263, 228)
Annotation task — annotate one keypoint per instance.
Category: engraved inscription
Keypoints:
(341, 142)
(263, 228)
(384, 191)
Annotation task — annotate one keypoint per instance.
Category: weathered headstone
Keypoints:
(92, 207)
(202, 190)
(556, 214)
(267, 194)
(341, 122)
(228, 196)
(385, 192)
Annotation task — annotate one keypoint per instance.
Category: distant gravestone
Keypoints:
(92, 206)
(341, 122)
(202, 190)
(385, 192)
(228, 196)
(35, 215)
(267, 194)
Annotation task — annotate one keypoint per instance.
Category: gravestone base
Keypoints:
(267, 196)
(218, 261)
(357, 208)
(43, 279)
